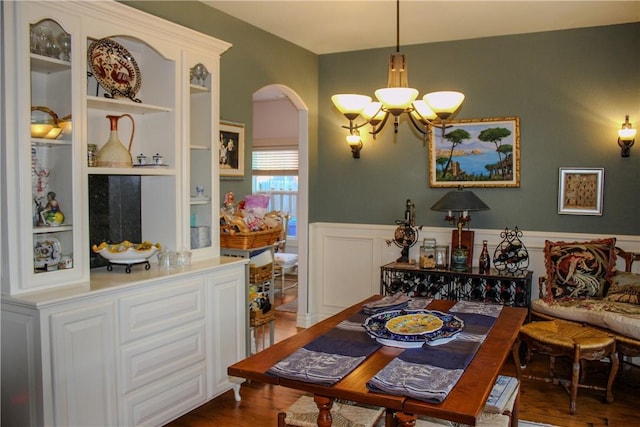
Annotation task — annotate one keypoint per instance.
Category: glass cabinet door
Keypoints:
(200, 155)
(51, 148)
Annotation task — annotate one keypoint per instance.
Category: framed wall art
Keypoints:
(231, 149)
(580, 191)
(476, 153)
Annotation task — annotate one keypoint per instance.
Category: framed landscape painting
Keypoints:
(476, 153)
(580, 191)
(231, 149)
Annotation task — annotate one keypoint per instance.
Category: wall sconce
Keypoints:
(626, 137)
(355, 143)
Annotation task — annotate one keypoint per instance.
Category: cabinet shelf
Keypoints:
(199, 147)
(43, 142)
(46, 64)
(166, 171)
(198, 88)
(43, 229)
(200, 201)
(125, 106)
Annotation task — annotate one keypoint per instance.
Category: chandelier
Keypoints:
(396, 99)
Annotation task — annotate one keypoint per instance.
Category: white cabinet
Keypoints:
(140, 354)
(83, 364)
(45, 50)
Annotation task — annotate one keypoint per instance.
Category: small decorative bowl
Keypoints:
(54, 133)
(65, 125)
(40, 130)
(126, 252)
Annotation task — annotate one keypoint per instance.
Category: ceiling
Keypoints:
(330, 26)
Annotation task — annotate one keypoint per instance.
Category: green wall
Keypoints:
(571, 90)
(255, 60)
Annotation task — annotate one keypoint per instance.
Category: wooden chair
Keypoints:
(284, 262)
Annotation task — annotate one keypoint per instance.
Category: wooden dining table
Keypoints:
(463, 405)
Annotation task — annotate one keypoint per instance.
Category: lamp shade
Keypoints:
(396, 100)
(423, 111)
(627, 134)
(444, 103)
(459, 200)
(373, 112)
(350, 104)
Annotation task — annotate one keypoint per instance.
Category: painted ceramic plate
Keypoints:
(114, 68)
(46, 251)
(414, 324)
(412, 328)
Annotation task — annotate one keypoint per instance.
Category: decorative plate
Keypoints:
(115, 69)
(412, 328)
(46, 251)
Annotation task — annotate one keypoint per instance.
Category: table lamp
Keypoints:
(458, 203)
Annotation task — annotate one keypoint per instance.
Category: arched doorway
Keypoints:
(274, 93)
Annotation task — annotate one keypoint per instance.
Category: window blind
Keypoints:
(275, 162)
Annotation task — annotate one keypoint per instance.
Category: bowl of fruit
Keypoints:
(126, 252)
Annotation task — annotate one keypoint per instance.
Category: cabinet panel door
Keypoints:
(156, 358)
(168, 399)
(83, 366)
(227, 303)
(149, 313)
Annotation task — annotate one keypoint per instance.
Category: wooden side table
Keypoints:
(557, 338)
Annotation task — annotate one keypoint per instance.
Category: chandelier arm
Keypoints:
(423, 128)
(377, 128)
(352, 126)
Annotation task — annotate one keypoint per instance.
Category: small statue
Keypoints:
(51, 214)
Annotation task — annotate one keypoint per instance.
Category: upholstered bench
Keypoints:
(578, 342)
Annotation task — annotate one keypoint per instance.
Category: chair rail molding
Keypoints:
(347, 259)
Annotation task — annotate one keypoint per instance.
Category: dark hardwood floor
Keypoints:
(540, 402)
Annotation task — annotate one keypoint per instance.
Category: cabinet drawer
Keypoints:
(161, 309)
(164, 401)
(158, 357)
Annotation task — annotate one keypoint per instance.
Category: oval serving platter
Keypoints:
(413, 328)
(115, 69)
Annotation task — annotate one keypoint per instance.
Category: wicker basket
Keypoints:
(258, 318)
(259, 275)
(254, 239)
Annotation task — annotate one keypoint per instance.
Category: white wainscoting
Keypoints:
(345, 260)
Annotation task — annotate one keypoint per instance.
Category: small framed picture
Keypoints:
(580, 191)
(231, 149)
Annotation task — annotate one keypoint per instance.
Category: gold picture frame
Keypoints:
(581, 191)
(476, 153)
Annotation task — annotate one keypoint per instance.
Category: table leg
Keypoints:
(405, 420)
(324, 405)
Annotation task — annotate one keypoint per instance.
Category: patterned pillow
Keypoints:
(625, 287)
(578, 269)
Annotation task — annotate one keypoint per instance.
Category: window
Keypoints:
(275, 173)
